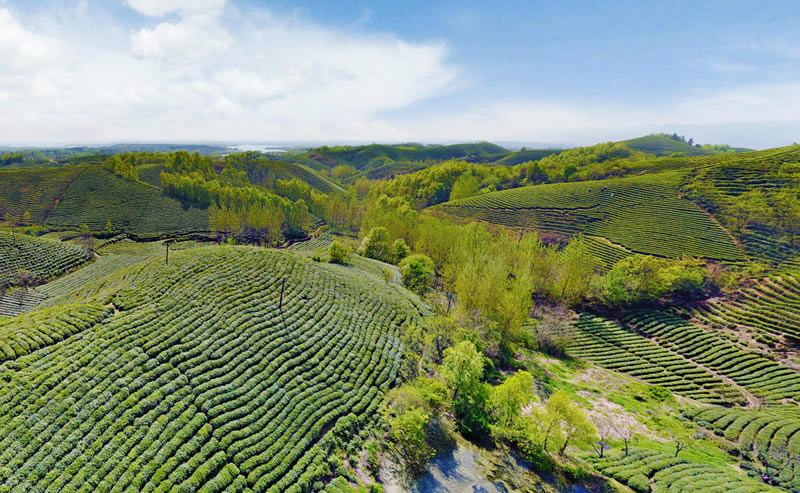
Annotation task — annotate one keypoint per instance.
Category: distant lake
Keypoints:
(258, 148)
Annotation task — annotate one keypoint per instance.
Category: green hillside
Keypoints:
(376, 155)
(662, 145)
(70, 197)
(230, 368)
(41, 257)
(642, 213)
(265, 173)
(96, 197)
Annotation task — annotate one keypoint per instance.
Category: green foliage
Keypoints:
(465, 186)
(462, 369)
(400, 249)
(642, 278)
(339, 252)
(409, 439)
(418, 273)
(506, 402)
(377, 245)
(123, 167)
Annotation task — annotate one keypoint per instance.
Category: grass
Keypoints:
(642, 213)
(201, 379)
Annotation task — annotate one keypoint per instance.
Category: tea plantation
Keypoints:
(44, 258)
(231, 368)
(643, 214)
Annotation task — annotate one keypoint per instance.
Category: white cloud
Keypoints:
(159, 8)
(196, 78)
(215, 73)
(196, 36)
(21, 48)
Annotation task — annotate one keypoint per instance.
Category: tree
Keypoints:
(26, 217)
(462, 369)
(109, 227)
(604, 429)
(400, 249)
(408, 410)
(574, 426)
(418, 273)
(625, 430)
(578, 268)
(679, 436)
(408, 439)
(465, 186)
(506, 402)
(342, 171)
(86, 236)
(339, 252)
(376, 245)
(297, 217)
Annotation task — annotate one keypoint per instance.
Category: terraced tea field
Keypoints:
(609, 345)
(44, 258)
(755, 372)
(229, 368)
(607, 252)
(642, 213)
(641, 468)
(33, 190)
(770, 308)
(768, 428)
(97, 196)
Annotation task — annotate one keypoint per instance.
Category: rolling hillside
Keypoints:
(661, 145)
(72, 196)
(229, 368)
(376, 155)
(643, 214)
(41, 257)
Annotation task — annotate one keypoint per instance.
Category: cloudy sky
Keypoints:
(92, 71)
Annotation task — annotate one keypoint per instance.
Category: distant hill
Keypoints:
(661, 145)
(378, 155)
(516, 157)
(666, 145)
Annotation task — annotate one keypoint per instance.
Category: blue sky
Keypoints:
(355, 70)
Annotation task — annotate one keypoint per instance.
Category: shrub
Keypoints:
(400, 249)
(639, 482)
(418, 273)
(338, 252)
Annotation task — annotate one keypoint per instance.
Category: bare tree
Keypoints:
(604, 430)
(626, 431)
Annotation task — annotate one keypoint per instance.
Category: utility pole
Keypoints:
(167, 260)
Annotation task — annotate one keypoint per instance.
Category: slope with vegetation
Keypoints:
(543, 329)
(38, 259)
(643, 213)
(252, 381)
